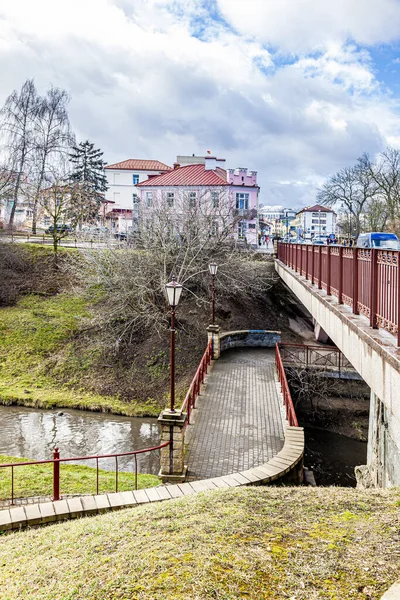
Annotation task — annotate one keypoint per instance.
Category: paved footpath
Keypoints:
(237, 420)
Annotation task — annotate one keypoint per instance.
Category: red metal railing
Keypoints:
(194, 389)
(287, 398)
(366, 279)
(328, 357)
(56, 461)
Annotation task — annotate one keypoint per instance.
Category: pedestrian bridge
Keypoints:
(353, 295)
(237, 426)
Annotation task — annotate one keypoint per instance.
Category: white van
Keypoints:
(374, 239)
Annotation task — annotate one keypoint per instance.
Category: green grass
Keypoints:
(37, 480)
(40, 364)
(256, 543)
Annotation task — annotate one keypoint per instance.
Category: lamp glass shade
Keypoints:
(213, 268)
(173, 290)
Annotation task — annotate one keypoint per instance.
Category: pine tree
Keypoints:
(88, 167)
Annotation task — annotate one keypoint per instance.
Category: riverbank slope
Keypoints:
(52, 356)
(273, 543)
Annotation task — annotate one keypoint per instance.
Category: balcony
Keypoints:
(245, 213)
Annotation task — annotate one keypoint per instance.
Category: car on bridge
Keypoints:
(378, 239)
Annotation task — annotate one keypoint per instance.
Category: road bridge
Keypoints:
(353, 295)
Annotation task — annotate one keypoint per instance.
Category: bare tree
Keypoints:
(52, 140)
(66, 203)
(352, 187)
(386, 175)
(18, 117)
(173, 235)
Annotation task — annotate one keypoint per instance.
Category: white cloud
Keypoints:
(300, 26)
(156, 78)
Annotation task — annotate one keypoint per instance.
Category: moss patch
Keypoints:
(41, 363)
(271, 543)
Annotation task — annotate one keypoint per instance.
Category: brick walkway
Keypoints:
(237, 421)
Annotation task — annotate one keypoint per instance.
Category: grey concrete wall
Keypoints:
(375, 356)
(249, 338)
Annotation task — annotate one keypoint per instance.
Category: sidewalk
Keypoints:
(237, 420)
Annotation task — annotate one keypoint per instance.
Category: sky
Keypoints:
(294, 89)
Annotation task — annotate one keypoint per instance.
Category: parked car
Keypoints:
(60, 229)
(378, 239)
(318, 242)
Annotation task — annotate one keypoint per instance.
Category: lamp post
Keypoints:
(173, 292)
(213, 270)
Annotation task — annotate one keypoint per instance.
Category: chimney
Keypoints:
(176, 165)
(210, 163)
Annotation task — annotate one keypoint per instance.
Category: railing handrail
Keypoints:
(56, 460)
(76, 458)
(310, 347)
(287, 398)
(194, 388)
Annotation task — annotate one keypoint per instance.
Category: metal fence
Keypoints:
(57, 460)
(326, 357)
(287, 398)
(367, 280)
(194, 389)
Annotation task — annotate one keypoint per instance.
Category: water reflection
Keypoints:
(35, 433)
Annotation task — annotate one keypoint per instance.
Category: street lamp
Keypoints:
(173, 291)
(213, 270)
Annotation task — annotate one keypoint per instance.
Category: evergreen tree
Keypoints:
(88, 167)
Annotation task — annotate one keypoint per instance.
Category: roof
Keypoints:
(315, 208)
(195, 175)
(138, 164)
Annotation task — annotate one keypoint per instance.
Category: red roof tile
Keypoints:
(188, 175)
(138, 164)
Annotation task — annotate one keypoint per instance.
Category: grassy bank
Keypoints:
(269, 543)
(74, 479)
(41, 363)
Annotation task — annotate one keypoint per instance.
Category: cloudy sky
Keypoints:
(294, 89)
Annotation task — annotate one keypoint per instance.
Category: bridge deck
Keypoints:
(237, 421)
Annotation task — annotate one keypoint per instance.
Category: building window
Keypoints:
(170, 199)
(135, 179)
(242, 228)
(149, 199)
(318, 214)
(214, 228)
(192, 199)
(215, 199)
(242, 201)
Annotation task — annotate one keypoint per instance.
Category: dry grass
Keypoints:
(272, 543)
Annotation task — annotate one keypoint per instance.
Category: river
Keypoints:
(34, 433)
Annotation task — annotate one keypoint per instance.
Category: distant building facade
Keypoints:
(314, 221)
(122, 193)
(210, 183)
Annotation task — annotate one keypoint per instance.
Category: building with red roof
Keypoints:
(314, 221)
(122, 179)
(211, 185)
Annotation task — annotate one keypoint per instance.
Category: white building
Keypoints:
(314, 221)
(122, 179)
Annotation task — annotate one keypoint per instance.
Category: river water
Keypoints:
(332, 457)
(33, 433)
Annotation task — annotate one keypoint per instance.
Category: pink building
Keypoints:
(232, 192)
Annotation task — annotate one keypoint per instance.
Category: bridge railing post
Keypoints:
(319, 268)
(328, 270)
(340, 283)
(355, 282)
(373, 297)
(56, 474)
